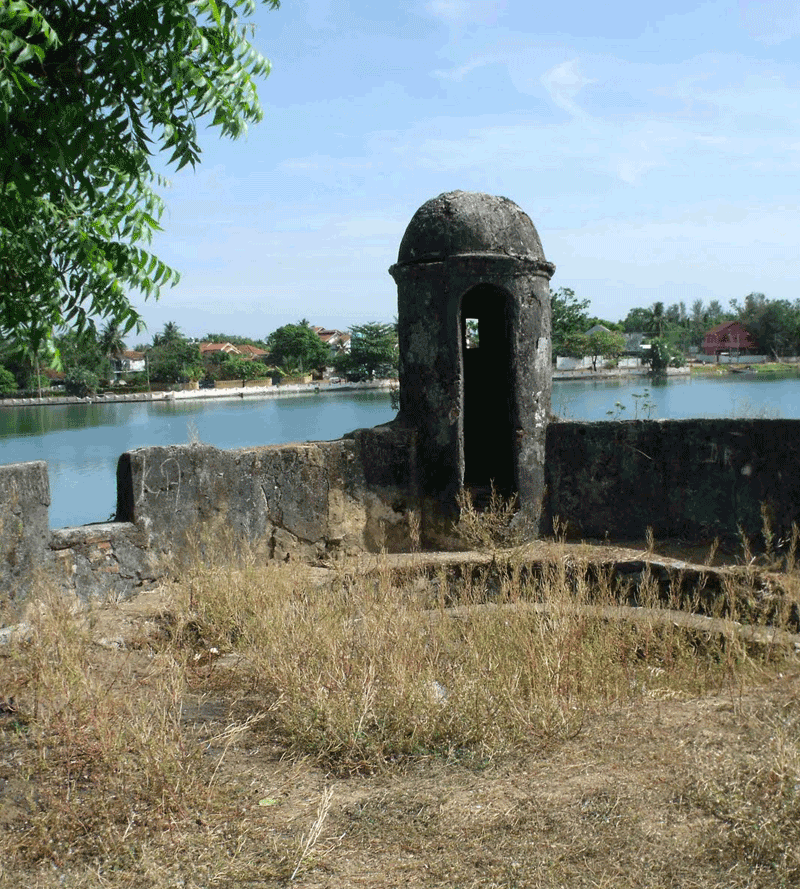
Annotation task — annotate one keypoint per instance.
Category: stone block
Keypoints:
(24, 532)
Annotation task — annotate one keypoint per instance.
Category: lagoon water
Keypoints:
(678, 398)
(81, 443)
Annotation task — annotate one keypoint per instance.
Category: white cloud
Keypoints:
(465, 12)
(563, 83)
(771, 21)
(763, 92)
(459, 73)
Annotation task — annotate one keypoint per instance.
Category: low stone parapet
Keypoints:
(24, 532)
(693, 479)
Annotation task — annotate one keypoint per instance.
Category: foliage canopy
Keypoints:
(297, 347)
(234, 367)
(774, 323)
(599, 344)
(373, 351)
(8, 385)
(569, 316)
(175, 361)
(89, 91)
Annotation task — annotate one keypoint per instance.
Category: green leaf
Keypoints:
(84, 101)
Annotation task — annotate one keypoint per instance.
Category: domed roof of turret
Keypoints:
(460, 223)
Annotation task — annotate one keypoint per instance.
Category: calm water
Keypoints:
(81, 443)
(731, 395)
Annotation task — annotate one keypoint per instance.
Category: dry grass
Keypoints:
(757, 799)
(82, 725)
(359, 672)
(362, 727)
(491, 528)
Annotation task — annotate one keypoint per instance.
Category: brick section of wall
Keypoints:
(110, 560)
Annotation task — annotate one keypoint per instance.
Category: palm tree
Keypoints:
(30, 352)
(170, 334)
(657, 320)
(111, 341)
(111, 345)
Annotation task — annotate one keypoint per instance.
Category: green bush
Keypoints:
(81, 382)
(177, 361)
(8, 383)
(241, 369)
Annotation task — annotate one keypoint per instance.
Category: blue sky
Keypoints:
(656, 148)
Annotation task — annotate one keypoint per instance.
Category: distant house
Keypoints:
(634, 342)
(729, 336)
(211, 348)
(56, 377)
(336, 340)
(251, 352)
(245, 352)
(630, 357)
(128, 362)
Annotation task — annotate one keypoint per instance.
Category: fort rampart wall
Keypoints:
(693, 479)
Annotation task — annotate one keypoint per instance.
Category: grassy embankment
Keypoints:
(770, 369)
(256, 724)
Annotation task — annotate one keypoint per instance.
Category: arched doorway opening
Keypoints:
(487, 392)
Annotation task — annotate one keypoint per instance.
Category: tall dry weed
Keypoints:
(494, 527)
(109, 762)
(365, 668)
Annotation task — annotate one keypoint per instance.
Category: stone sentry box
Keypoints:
(479, 404)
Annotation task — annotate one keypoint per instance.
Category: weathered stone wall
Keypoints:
(109, 560)
(24, 530)
(695, 479)
(307, 500)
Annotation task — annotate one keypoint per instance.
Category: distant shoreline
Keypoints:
(583, 375)
(191, 394)
(586, 375)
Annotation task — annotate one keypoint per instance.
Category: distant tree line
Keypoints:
(673, 331)
(84, 360)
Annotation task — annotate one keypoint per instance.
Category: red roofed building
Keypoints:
(251, 352)
(729, 336)
(336, 340)
(210, 348)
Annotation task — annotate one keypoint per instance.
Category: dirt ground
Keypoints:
(641, 796)
(610, 807)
